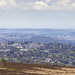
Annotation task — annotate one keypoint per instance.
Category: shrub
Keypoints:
(3, 60)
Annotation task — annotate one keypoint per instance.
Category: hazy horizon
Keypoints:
(36, 29)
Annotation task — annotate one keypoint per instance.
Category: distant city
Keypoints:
(41, 46)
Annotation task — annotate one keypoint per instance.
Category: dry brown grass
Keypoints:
(34, 69)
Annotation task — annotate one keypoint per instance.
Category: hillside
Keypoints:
(34, 69)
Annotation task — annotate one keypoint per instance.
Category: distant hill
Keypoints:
(66, 36)
(34, 69)
(44, 39)
(41, 39)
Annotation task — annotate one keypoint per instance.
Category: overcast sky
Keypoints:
(51, 14)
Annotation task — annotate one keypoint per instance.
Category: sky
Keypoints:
(48, 14)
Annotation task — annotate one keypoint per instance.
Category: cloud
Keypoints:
(68, 5)
(2, 3)
(47, 1)
(62, 5)
(6, 4)
(38, 5)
